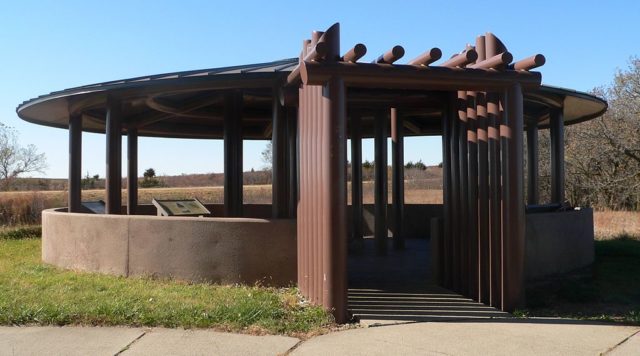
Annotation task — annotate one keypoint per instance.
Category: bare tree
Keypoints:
(267, 157)
(15, 159)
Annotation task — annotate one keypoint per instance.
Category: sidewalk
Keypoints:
(503, 337)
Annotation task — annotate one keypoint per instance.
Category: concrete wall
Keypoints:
(558, 242)
(222, 250)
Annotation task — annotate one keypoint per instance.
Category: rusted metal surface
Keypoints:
(427, 57)
(292, 142)
(397, 179)
(113, 181)
(391, 55)
(233, 153)
(132, 171)
(473, 250)
(75, 163)
(495, 199)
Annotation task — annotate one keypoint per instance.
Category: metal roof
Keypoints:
(259, 79)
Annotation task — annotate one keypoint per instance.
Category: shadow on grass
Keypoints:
(608, 291)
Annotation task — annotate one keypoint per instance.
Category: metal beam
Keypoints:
(356, 177)
(132, 171)
(75, 163)
(292, 142)
(380, 184)
(397, 159)
(113, 182)
(556, 131)
(233, 153)
(533, 183)
(279, 164)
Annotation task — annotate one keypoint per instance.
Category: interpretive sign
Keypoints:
(180, 207)
(95, 207)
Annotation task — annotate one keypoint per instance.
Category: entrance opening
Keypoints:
(399, 286)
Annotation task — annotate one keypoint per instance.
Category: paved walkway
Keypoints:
(502, 337)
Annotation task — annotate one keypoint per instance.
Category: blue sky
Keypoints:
(52, 45)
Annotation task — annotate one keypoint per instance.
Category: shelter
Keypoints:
(478, 100)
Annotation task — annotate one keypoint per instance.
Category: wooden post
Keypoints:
(356, 176)
(132, 171)
(533, 184)
(233, 154)
(381, 201)
(514, 240)
(557, 156)
(114, 157)
(75, 163)
(279, 164)
(397, 179)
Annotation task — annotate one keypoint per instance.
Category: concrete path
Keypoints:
(491, 337)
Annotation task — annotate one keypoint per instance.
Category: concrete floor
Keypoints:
(397, 288)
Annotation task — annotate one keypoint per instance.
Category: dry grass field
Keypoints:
(23, 208)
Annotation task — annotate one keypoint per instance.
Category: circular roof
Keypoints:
(190, 104)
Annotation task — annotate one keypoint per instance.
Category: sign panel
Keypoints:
(180, 207)
(95, 207)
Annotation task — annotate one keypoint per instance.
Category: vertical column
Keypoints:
(356, 176)
(557, 156)
(233, 153)
(495, 199)
(447, 191)
(380, 186)
(279, 166)
(334, 251)
(292, 138)
(473, 246)
(132, 171)
(397, 179)
(513, 240)
(456, 217)
(114, 157)
(75, 163)
(483, 199)
(533, 184)
(463, 162)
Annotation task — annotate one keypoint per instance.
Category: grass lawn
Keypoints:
(609, 290)
(34, 293)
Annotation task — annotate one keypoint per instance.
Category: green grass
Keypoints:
(609, 291)
(34, 293)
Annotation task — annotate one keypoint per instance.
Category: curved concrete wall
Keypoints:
(221, 250)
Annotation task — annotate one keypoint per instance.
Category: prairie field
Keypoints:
(24, 208)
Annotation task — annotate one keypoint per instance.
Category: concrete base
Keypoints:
(558, 242)
(221, 250)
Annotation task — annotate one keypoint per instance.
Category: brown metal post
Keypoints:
(483, 200)
(473, 249)
(456, 196)
(557, 156)
(463, 161)
(356, 175)
(380, 184)
(495, 198)
(132, 171)
(533, 184)
(113, 182)
(335, 243)
(279, 165)
(292, 137)
(233, 153)
(514, 240)
(75, 163)
(397, 179)
(449, 112)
